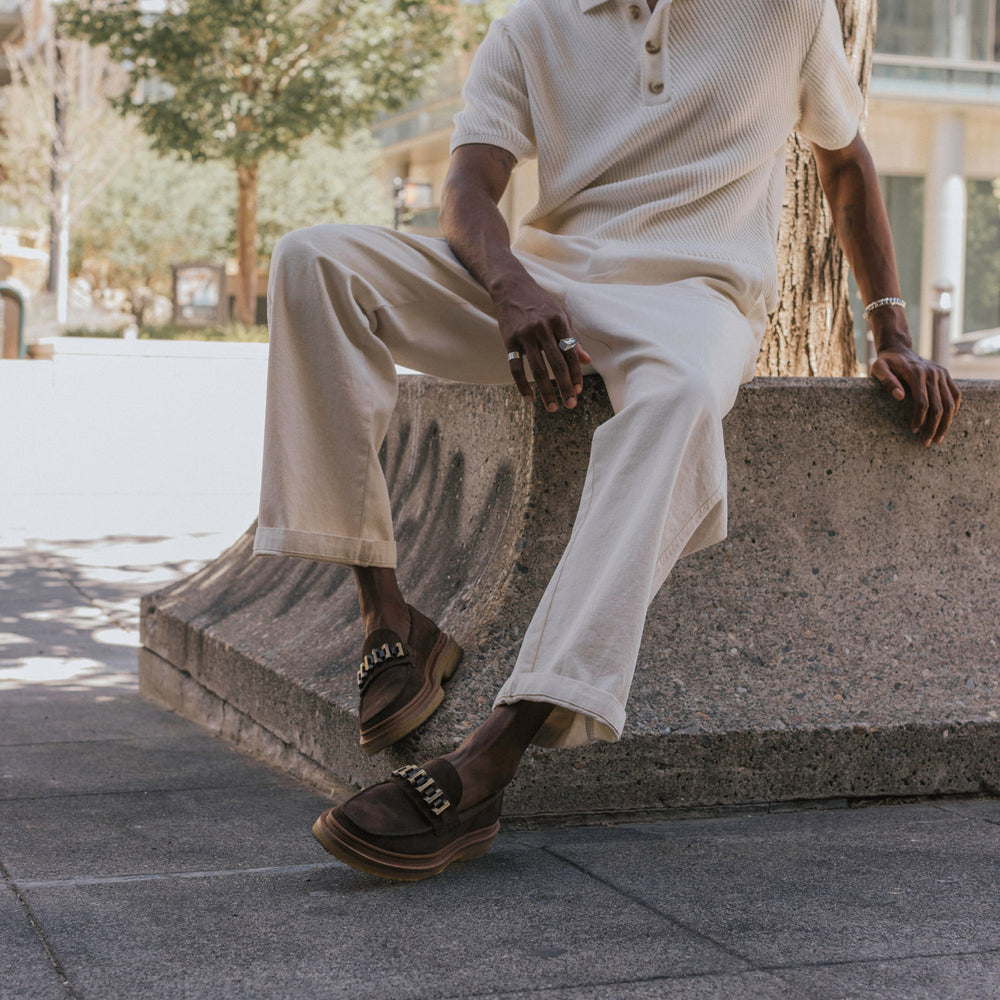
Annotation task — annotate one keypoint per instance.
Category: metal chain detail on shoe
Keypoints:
(425, 785)
(379, 655)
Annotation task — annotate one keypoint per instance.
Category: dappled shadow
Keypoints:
(69, 608)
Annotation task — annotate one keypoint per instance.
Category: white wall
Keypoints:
(114, 437)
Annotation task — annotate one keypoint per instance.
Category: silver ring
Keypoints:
(514, 356)
(567, 344)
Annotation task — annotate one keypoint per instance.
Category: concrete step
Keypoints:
(843, 642)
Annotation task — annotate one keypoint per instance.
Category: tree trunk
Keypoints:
(246, 245)
(812, 330)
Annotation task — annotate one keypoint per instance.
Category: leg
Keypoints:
(346, 303)
(655, 488)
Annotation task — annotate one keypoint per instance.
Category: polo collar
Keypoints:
(587, 5)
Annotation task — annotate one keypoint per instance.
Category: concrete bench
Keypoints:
(842, 643)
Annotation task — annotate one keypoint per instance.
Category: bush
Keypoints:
(233, 333)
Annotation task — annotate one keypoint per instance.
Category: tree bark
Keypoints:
(246, 245)
(812, 330)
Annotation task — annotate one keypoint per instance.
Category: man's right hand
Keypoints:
(531, 324)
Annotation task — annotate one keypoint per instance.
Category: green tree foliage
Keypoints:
(164, 210)
(159, 212)
(236, 80)
(321, 183)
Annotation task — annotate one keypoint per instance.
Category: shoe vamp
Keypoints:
(391, 688)
(386, 811)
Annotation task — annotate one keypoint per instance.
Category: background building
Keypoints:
(933, 127)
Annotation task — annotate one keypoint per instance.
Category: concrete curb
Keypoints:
(841, 643)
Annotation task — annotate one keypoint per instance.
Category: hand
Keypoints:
(936, 399)
(532, 323)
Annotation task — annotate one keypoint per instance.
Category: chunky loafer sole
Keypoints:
(366, 857)
(411, 826)
(441, 663)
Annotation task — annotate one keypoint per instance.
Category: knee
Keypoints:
(301, 248)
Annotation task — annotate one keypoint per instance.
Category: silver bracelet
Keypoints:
(878, 303)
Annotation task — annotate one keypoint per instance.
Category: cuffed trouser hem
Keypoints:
(324, 548)
(582, 714)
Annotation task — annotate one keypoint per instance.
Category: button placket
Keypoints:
(654, 58)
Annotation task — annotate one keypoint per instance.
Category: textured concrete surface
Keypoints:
(841, 643)
(198, 879)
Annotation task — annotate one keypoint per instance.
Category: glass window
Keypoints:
(942, 29)
(982, 257)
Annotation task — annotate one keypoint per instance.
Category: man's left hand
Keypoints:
(936, 398)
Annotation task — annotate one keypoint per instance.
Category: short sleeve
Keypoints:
(830, 101)
(497, 110)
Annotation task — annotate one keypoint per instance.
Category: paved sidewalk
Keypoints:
(143, 858)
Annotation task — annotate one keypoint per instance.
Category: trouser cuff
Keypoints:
(582, 714)
(325, 548)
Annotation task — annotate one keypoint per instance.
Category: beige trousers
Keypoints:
(672, 340)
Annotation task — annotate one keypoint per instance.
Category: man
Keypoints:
(660, 134)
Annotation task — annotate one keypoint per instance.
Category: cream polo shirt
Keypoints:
(661, 135)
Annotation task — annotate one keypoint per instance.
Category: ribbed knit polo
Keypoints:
(662, 134)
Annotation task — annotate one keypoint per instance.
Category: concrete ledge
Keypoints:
(842, 643)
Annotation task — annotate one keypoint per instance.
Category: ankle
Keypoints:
(381, 601)
(388, 615)
(488, 758)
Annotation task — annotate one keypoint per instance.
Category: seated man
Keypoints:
(660, 129)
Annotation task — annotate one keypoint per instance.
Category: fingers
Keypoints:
(559, 364)
(564, 367)
(542, 360)
(936, 398)
(881, 371)
(918, 386)
(573, 363)
(542, 381)
(935, 410)
(520, 379)
(950, 399)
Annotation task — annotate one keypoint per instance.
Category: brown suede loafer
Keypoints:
(410, 826)
(401, 682)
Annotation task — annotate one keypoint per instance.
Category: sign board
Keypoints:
(198, 294)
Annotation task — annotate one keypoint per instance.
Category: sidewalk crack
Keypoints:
(40, 934)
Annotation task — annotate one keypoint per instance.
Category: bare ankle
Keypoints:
(381, 601)
(394, 617)
(488, 759)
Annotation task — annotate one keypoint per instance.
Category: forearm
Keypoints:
(478, 236)
(862, 227)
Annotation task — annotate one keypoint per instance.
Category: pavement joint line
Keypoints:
(89, 880)
(877, 959)
(590, 985)
(670, 918)
(40, 934)
(944, 807)
(38, 797)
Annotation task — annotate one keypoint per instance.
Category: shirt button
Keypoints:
(652, 48)
(656, 88)
(634, 12)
